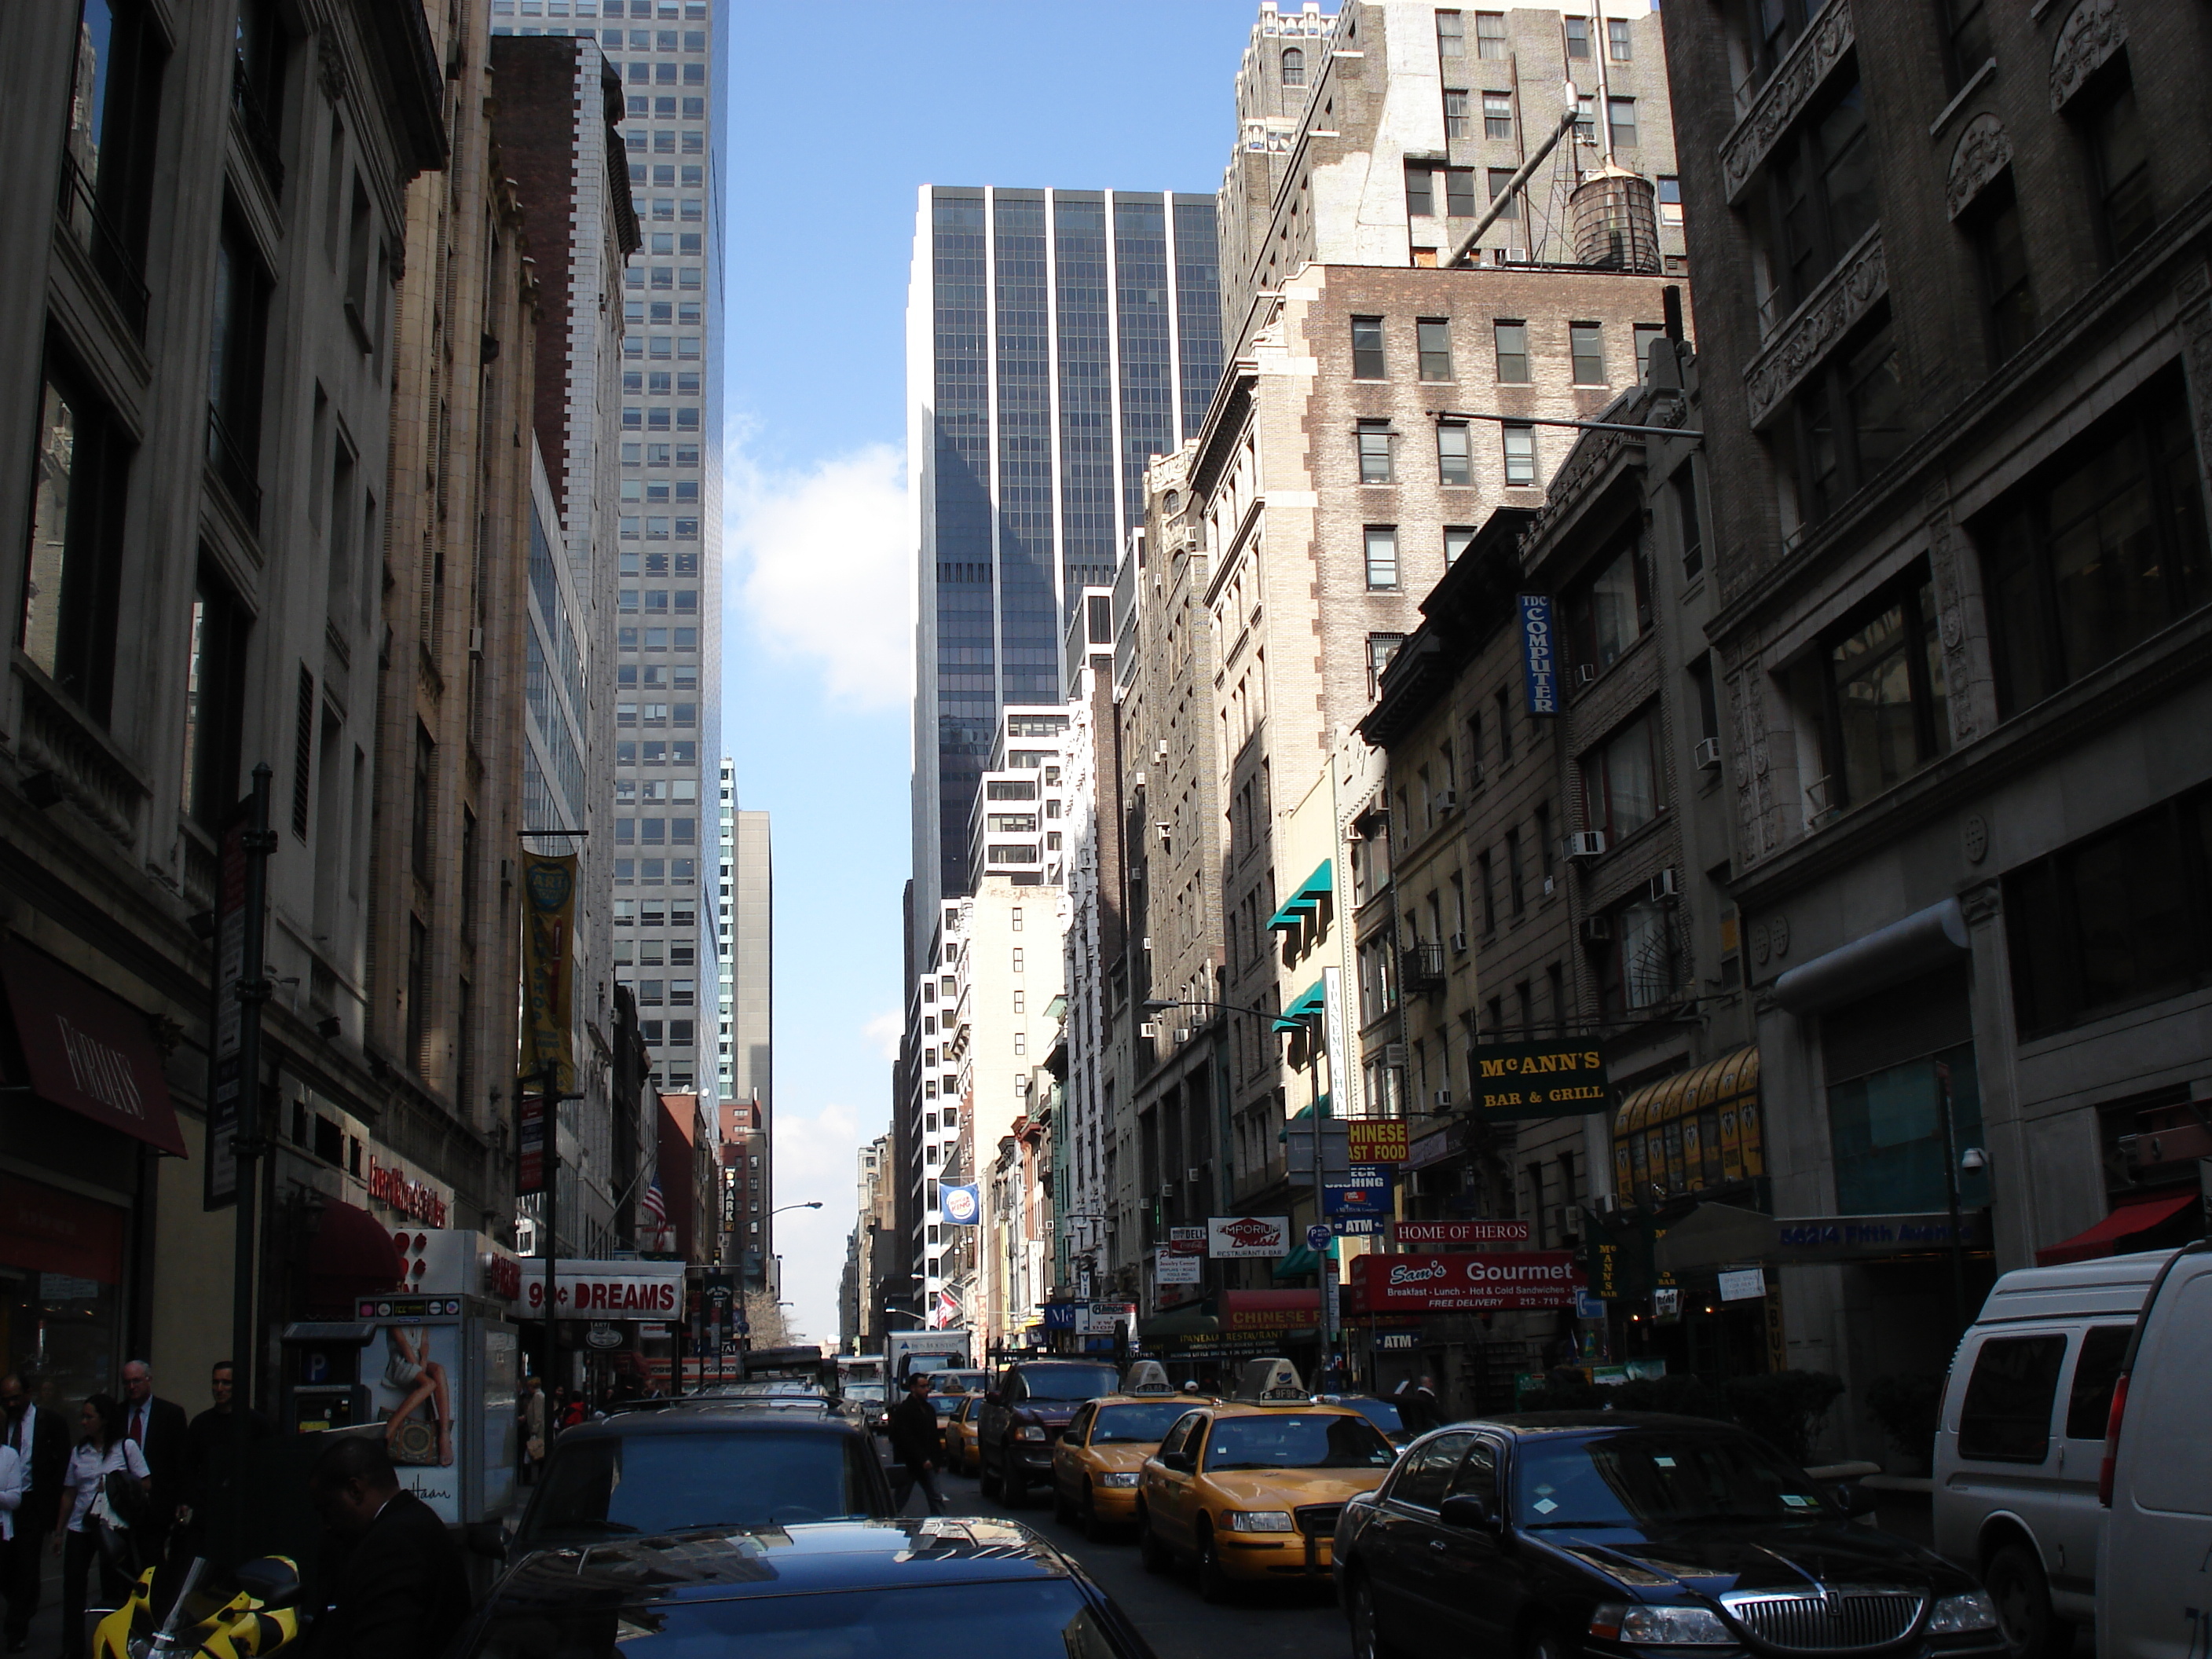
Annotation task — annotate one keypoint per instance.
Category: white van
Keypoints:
(2155, 1570)
(2022, 1436)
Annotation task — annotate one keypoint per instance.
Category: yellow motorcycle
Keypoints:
(242, 1614)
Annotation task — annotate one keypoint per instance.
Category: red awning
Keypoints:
(355, 1250)
(2137, 1215)
(86, 1050)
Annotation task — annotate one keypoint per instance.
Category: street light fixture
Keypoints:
(810, 1204)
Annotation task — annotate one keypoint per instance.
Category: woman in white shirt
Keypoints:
(94, 1530)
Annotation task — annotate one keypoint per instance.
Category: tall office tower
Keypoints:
(745, 1010)
(560, 104)
(1056, 341)
(667, 574)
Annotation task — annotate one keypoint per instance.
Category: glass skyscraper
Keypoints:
(1056, 341)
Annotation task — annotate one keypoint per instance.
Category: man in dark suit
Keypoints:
(40, 1439)
(395, 1585)
(213, 1453)
(158, 1426)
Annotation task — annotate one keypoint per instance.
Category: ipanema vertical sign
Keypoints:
(1540, 658)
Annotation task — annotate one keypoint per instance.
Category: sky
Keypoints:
(841, 109)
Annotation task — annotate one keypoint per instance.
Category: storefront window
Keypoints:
(61, 1269)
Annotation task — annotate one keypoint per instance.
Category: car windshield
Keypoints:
(1393, 1417)
(1068, 1382)
(864, 1394)
(1142, 1425)
(1639, 1477)
(946, 1404)
(1296, 1440)
(1038, 1620)
(657, 1482)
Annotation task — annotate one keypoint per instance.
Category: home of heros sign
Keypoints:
(1538, 1079)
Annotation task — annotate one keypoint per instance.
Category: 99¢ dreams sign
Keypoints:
(1538, 1079)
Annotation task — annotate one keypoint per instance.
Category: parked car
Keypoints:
(2156, 1474)
(649, 1472)
(922, 1590)
(1024, 1414)
(1400, 1417)
(960, 1435)
(2021, 1436)
(1099, 1458)
(1547, 1534)
(1251, 1492)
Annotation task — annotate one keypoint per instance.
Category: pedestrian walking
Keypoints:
(212, 1456)
(36, 1435)
(106, 1516)
(157, 1427)
(918, 1444)
(397, 1589)
(532, 1414)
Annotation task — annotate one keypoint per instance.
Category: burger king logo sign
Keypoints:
(960, 1204)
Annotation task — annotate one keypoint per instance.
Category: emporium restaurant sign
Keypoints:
(1538, 1079)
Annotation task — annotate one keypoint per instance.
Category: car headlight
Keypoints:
(1029, 1431)
(1118, 1478)
(1658, 1625)
(1258, 1520)
(1954, 1615)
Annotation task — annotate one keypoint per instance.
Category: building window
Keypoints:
(1490, 34)
(1457, 117)
(1670, 202)
(1578, 40)
(1645, 334)
(1586, 120)
(2119, 165)
(2101, 548)
(1620, 121)
(1454, 464)
(1622, 787)
(234, 370)
(1497, 115)
(1367, 363)
(1965, 39)
(1458, 537)
(1451, 35)
(1607, 612)
(1435, 338)
(1512, 342)
(1885, 712)
(1617, 39)
(1380, 647)
(1520, 443)
(1381, 557)
(1500, 179)
(1517, 883)
(73, 578)
(1420, 191)
(1374, 464)
(1586, 345)
(106, 164)
(1821, 192)
(1294, 67)
(1637, 964)
(1459, 192)
(1849, 419)
(215, 690)
(2000, 256)
(2121, 918)
(1688, 521)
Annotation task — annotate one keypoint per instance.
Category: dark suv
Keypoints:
(1024, 1415)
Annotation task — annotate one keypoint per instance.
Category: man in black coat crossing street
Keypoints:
(917, 1443)
(395, 1585)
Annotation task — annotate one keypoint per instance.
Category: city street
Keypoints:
(1279, 1625)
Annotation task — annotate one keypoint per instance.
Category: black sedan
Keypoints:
(1022, 1417)
(1553, 1536)
(919, 1589)
(715, 1465)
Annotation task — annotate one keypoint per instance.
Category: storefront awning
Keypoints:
(353, 1254)
(1299, 1262)
(1313, 999)
(2109, 1236)
(87, 1050)
(1307, 900)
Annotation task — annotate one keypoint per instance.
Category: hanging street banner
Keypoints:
(219, 1173)
(1375, 1140)
(1558, 1079)
(1471, 1282)
(1539, 660)
(549, 936)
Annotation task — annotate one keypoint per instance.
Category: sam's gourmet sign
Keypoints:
(1463, 1282)
(1538, 1079)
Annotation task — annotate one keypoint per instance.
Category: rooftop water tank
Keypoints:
(1615, 215)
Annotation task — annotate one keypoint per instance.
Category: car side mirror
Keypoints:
(1180, 1461)
(272, 1581)
(486, 1538)
(1857, 1500)
(1466, 1508)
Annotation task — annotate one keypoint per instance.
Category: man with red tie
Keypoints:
(159, 1427)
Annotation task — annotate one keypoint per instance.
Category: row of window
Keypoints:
(652, 714)
(659, 382)
(669, 11)
(655, 676)
(637, 527)
(657, 599)
(664, 313)
(661, 348)
(651, 832)
(1458, 193)
(656, 639)
(645, 454)
(661, 109)
(1490, 41)
(1510, 358)
(683, 791)
(1378, 460)
(661, 418)
(643, 74)
(652, 872)
(654, 992)
(655, 953)
(1496, 117)
(650, 913)
(664, 175)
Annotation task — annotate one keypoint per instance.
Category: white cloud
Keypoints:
(885, 1032)
(815, 1158)
(825, 571)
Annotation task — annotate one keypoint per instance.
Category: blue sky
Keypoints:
(839, 112)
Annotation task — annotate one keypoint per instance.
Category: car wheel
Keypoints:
(1152, 1553)
(1087, 1515)
(1013, 1488)
(985, 1478)
(1062, 1511)
(1213, 1585)
(1544, 1643)
(2022, 1598)
(1367, 1641)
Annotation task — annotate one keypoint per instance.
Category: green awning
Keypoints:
(1305, 1113)
(1313, 1001)
(1306, 901)
(1298, 1263)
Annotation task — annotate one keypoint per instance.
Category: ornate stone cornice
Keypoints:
(1983, 151)
(2093, 32)
(1812, 330)
(1785, 94)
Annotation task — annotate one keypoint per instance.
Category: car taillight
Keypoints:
(2113, 1440)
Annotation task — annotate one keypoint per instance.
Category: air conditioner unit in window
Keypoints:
(1443, 1097)
(1662, 885)
(1459, 941)
(1141, 779)
(1191, 1175)
(1583, 844)
(1474, 774)
(1167, 1189)
(1160, 750)
(1584, 673)
(1709, 754)
(1597, 930)
(1447, 800)
(1148, 942)
(1149, 1029)
(1393, 1053)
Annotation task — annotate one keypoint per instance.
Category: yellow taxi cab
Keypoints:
(960, 1435)
(1249, 1490)
(1099, 1457)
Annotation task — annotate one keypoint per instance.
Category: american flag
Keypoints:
(947, 1313)
(655, 1205)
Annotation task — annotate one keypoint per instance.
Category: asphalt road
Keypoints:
(1274, 1622)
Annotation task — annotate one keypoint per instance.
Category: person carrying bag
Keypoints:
(106, 1498)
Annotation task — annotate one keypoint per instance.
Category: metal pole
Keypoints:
(549, 1078)
(253, 990)
(1958, 1251)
